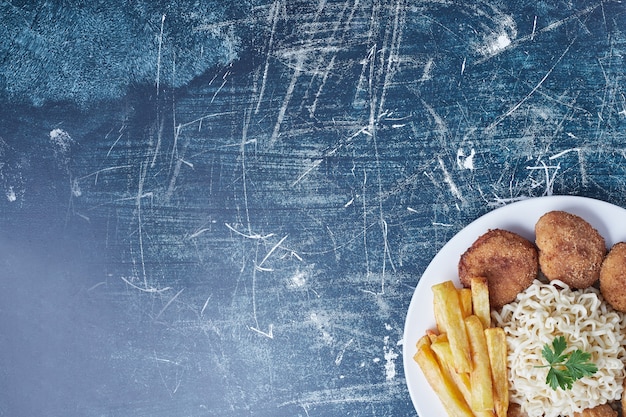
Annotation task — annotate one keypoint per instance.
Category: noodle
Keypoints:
(535, 318)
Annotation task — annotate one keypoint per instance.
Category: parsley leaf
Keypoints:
(565, 368)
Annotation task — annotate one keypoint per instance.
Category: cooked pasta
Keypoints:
(535, 318)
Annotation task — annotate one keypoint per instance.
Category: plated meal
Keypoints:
(522, 314)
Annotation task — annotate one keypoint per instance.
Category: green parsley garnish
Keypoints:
(565, 368)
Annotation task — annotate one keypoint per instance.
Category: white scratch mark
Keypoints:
(530, 94)
(295, 255)
(224, 80)
(287, 98)
(365, 247)
(82, 216)
(157, 147)
(100, 171)
(581, 161)
(158, 74)
(93, 287)
(163, 360)
(448, 180)
(396, 40)
(465, 161)
(377, 112)
(76, 191)
(116, 140)
(549, 179)
(177, 166)
(249, 236)
(10, 193)
(274, 19)
(199, 120)
(427, 70)
(276, 246)
(189, 164)
(146, 289)
(206, 303)
(244, 169)
(500, 201)
(269, 334)
(178, 377)
(532, 35)
(390, 357)
(169, 303)
(339, 357)
(198, 233)
(441, 125)
(560, 154)
(142, 177)
(318, 161)
(314, 165)
(575, 16)
(329, 69)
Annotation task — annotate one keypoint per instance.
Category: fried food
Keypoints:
(515, 410)
(570, 249)
(479, 389)
(613, 277)
(603, 410)
(508, 261)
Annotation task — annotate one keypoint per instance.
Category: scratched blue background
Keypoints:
(210, 209)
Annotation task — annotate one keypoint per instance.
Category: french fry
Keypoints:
(446, 297)
(438, 304)
(443, 337)
(461, 380)
(464, 359)
(465, 298)
(445, 389)
(424, 340)
(480, 300)
(480, 376)
(432, 335)
(497, 350)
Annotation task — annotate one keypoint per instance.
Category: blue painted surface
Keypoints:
(209, 209)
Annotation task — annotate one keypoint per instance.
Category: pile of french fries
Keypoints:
(465, 359)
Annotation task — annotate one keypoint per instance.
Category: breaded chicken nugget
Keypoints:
(506, 259)
(570, 249)
(613, 277)
(603, 410)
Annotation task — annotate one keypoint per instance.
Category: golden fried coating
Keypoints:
(613, 277)
(570, 249)
(603, 410)
(623, 400)
(515, 410)
(506, 259)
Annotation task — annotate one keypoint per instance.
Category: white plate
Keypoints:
(519, 217)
